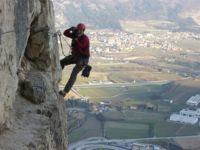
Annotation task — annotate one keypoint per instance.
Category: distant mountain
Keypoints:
(109, 13)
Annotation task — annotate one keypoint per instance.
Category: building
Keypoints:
(183, 119)
(194, 100)
(190, 113)
(140, 146)
(105, 103)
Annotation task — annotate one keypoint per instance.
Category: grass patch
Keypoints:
(170, 129)
(91, 128)
(144, 124)
(125, 130)
(122, 93)
(144, 117)
(99, 92)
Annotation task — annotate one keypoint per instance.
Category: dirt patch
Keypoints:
(192, 143)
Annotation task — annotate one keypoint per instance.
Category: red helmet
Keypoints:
(81, 27)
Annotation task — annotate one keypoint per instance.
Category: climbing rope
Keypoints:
(59, 35)
(42, 29)
(66, 41)
(2, 33)
(60, 38)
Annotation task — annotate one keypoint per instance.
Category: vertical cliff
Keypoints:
(32, 115)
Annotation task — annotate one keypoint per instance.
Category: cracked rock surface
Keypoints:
(32, 112)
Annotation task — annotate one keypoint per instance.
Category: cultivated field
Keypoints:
(139, 123)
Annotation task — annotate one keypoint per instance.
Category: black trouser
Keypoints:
(80, 63)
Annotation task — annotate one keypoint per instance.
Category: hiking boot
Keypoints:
(63, 93)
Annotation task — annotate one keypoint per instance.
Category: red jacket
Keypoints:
(80, 47)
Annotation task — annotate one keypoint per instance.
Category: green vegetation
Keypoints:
(126, 123)
(157, 95)
(99, 92)
(91, 128)
(144, 117)
(152, 124)
(125, 130)
(127, 94)
(170, 129)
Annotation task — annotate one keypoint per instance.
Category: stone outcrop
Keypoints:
(32, 113)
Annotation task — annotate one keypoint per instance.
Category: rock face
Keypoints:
(32, 113)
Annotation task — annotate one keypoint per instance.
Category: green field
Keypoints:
(179, 92)
(125, 130)
(132, 124)
(144, 117)
(91, 128)
(145, 124)
(136, 93)
(128, 96)
(170, 129)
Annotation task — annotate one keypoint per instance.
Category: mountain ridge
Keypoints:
(109, 13)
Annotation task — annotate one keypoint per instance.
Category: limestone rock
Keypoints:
(29, 65)
(34, 88)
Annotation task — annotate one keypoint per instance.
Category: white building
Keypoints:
(194, 100)
(183, 119)
(190, 113)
